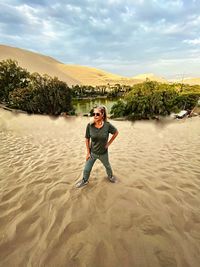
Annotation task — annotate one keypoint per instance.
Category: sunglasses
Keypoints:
(96, 114)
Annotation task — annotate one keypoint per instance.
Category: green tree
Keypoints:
(187, 100)
(150, 99)
(12, 76)
(23, 98)
(44, 95)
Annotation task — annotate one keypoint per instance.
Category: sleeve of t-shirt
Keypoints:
(87, 132)
(112, 129)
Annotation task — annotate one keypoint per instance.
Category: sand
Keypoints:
(150, 218)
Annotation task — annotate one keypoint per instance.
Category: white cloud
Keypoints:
(128, 14)
(72, 8)
(101, 24)
(194, 21)
(30, 13)
(172, 29)
(112, 2)
(170, 4)
(193, 42)
(48, 30)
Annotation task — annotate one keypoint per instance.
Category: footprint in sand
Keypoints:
(149, 227)
(166, 258)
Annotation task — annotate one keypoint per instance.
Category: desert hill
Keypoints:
(74, 74)
(71, 74)
(35, 62)
(93, 76)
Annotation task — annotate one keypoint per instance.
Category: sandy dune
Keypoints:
(150, 218)
(35, 62)
(92, 76)
(151, 77)
(71, 74)
(191, 81)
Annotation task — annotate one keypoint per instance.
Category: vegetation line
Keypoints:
(42, 94)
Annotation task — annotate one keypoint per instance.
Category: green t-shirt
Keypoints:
(99, 137)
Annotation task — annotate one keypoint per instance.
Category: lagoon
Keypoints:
(83, 106)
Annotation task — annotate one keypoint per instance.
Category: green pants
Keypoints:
(90, 162)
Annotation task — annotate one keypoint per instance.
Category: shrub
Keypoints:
(118, 109)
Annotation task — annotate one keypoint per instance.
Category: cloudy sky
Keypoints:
(126, 37)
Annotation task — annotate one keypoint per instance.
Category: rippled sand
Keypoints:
(150, 218)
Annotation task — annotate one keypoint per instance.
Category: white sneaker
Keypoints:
(112, 179)
(81, 183)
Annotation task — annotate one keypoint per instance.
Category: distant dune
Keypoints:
(151, 77)
(93, 76)
(192, 81)
(74, 74)
(189, 80)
